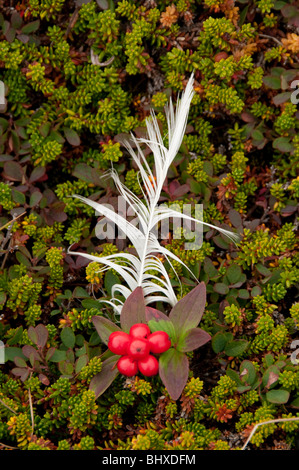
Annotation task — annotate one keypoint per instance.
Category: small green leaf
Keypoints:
(3, 297)
(236, 347)
(234, 376)
(30, 27)
(263, 270)
(233, 273)
(110, 280)
(20, 362)
(219, 341)
(91, 303)
(80, 363)
(66, 368)
(247, 372)
(11, 353)
(80, 293)
(209, 268)
(283, 144)
(35, 198)
(272, 82)
(295, 403)
(68, 337)
(257, 135)
(16, 336)
(58, 356)
(221, 288)
(278, 396)
(256, 290)
(243, 294)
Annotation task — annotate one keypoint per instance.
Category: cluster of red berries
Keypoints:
(135, 348)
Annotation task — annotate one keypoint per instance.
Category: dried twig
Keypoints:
(9, 447)
(95, 60)
(271, 37)
(8, 237)
(8, 407)
(270, 421)
(12, 221)
(31, 410)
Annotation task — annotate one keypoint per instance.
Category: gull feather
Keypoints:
(137, 270)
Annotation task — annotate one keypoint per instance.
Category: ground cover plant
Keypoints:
(78, 78)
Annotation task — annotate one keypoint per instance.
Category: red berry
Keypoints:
(159, 342)
(127, 366)
(139, 330)
(138, 348)
(148, 366)
(118, 342)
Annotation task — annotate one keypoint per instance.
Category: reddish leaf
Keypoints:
(247, 117)
(235, 218)
(154, 314)
(281, 98)
(283, 144)
(174, 371)
(42, 335)
(13, 171)
(100, 382)
(21, 372)
(37, 173)
(32, 334)
(288, 210)
(104, 327)
(88, 174)
(38, 335)
(30, 352)
(44, 380)
(273, 378)
(195, 338)
(71, 136)
(187, 313)
(133, 310)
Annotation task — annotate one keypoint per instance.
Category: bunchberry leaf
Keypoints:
(192, 339)
(133, 310)
(174, 371)
(187, 313)
(101, 381)
(104, 327)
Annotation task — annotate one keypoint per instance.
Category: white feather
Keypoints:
(138, 270)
